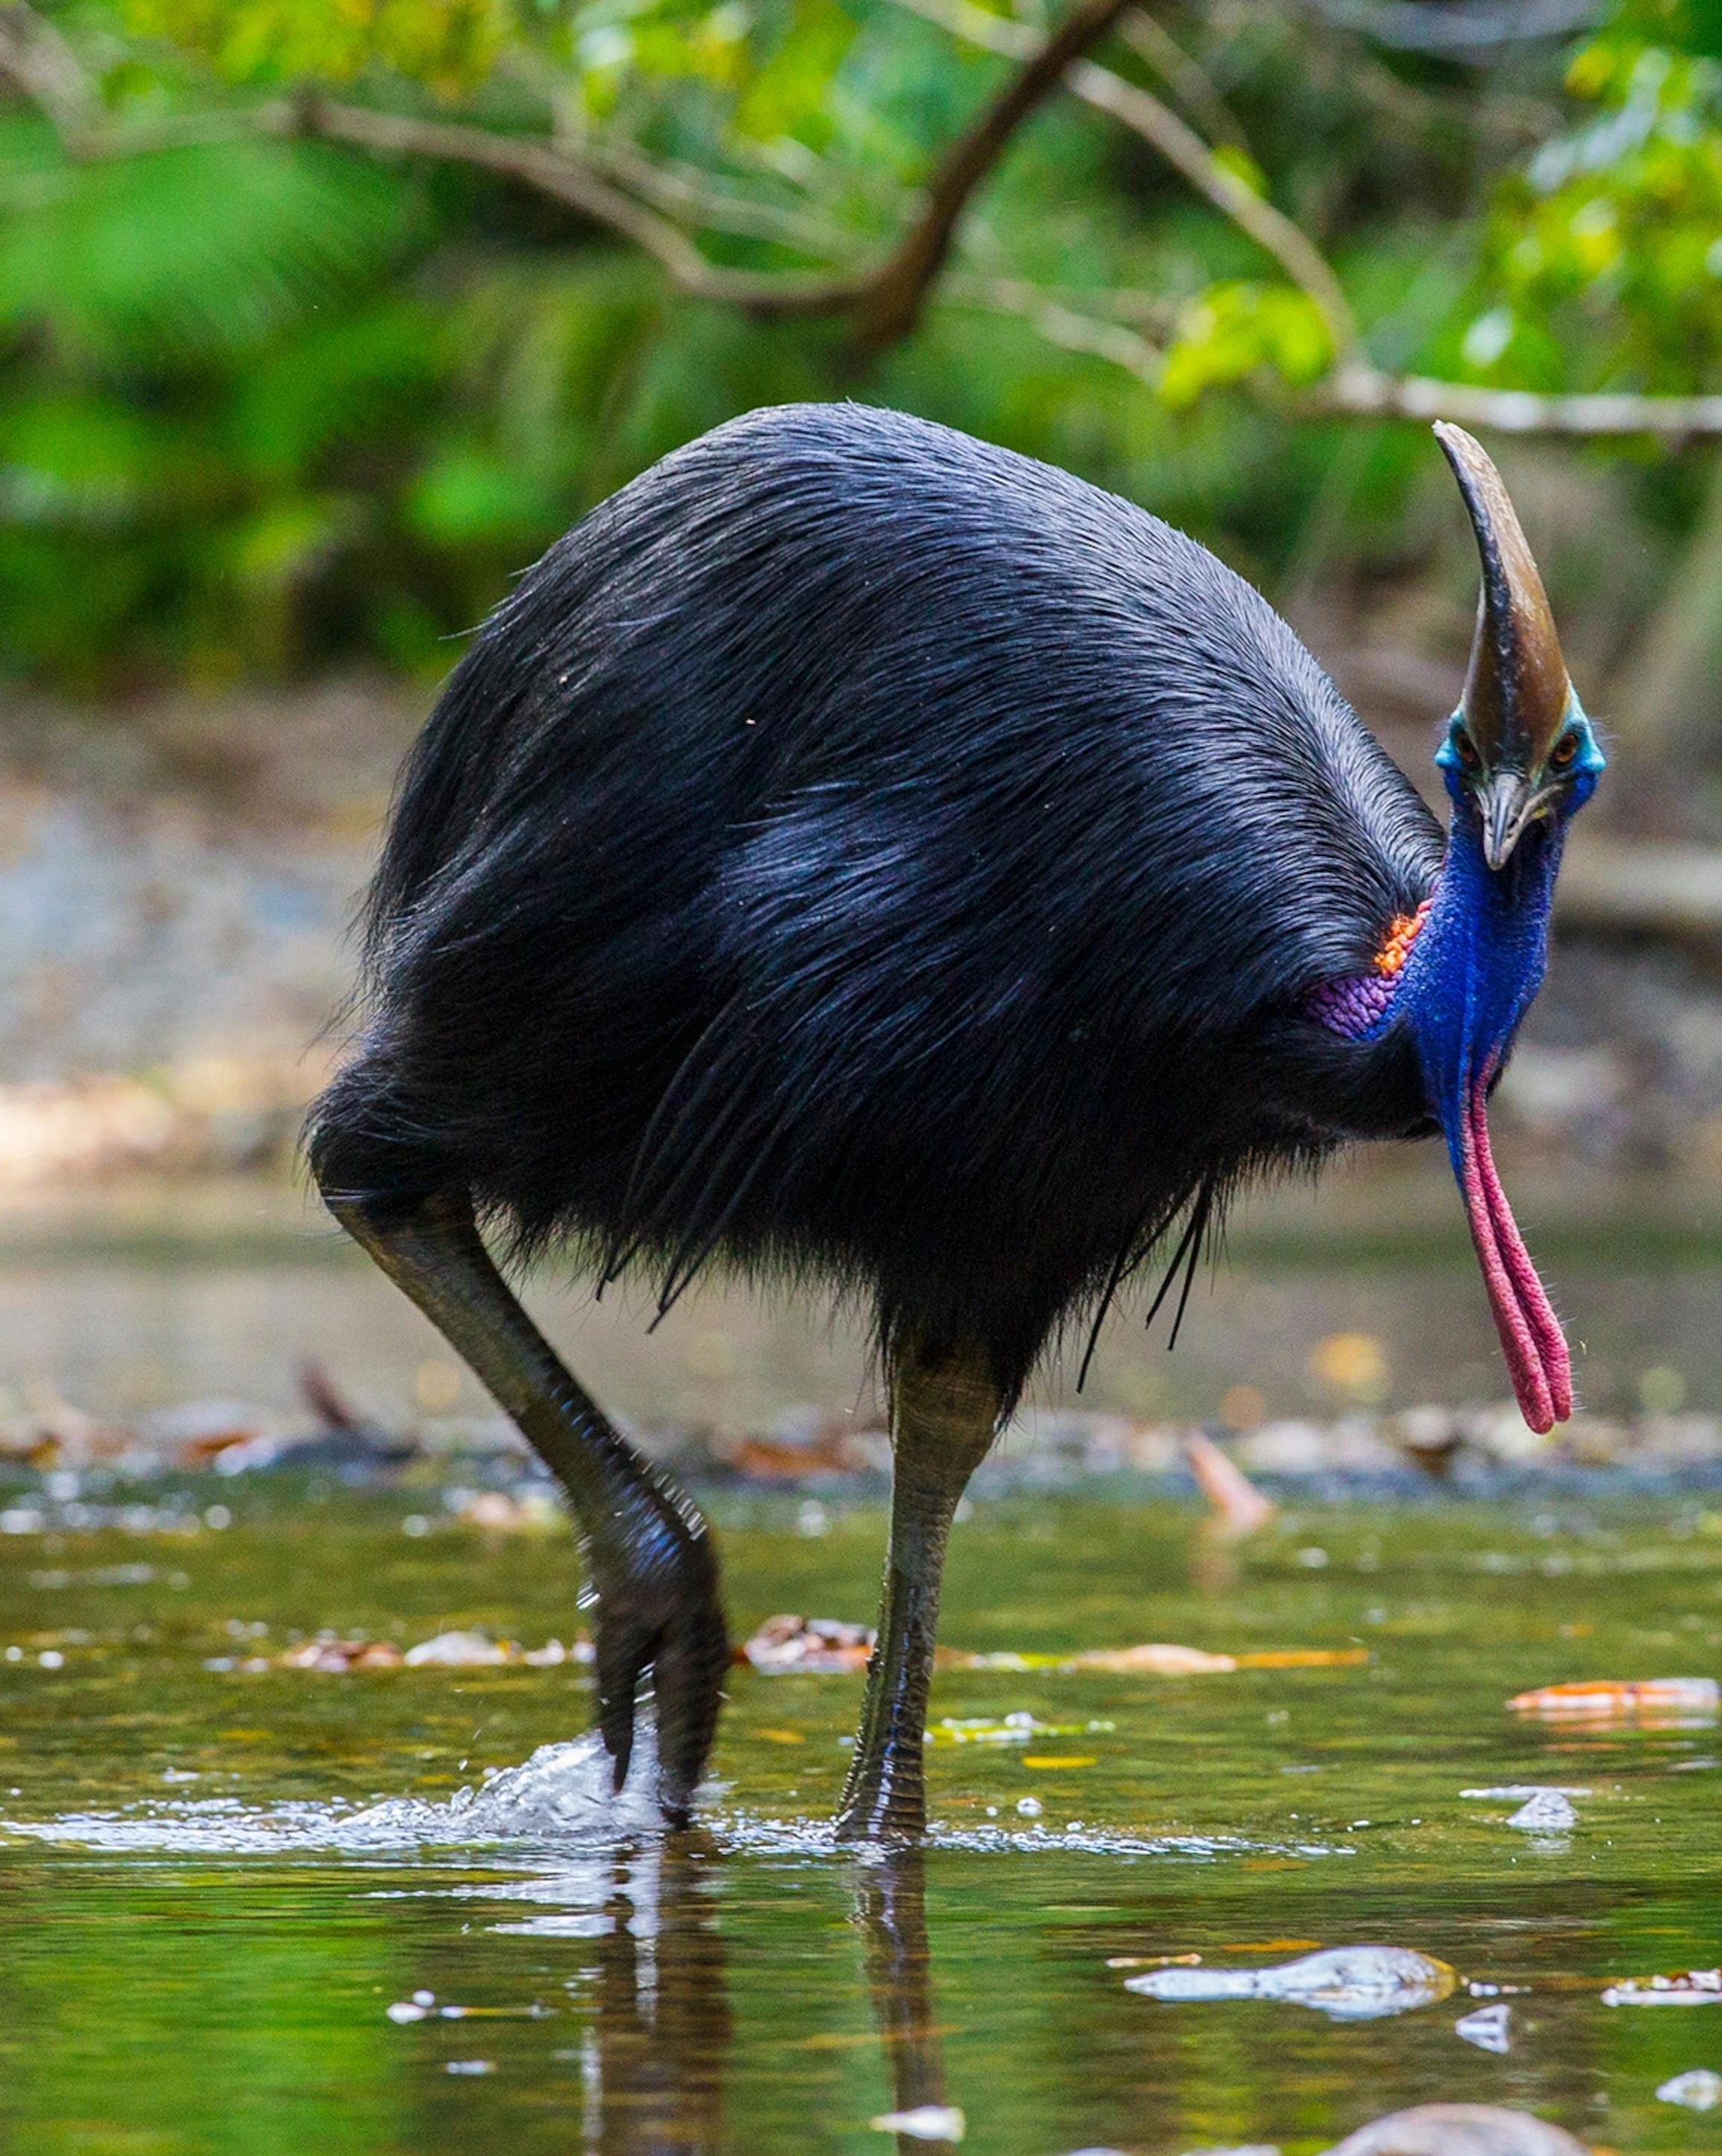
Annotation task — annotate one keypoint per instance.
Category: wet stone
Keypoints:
(1459, 2129)
(1347, 1984)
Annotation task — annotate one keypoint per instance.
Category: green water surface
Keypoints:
(201, 1989)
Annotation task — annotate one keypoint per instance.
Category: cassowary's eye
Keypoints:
(1563, 752)
(1466, 750)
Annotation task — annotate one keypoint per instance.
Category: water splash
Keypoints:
(562, 1794)
(559, 1799)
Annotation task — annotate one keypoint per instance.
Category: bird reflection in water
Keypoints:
(654, 2061)
(891, 1915)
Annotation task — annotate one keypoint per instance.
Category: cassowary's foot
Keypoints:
(648, 1554)
(944, 1418)
(658, 1625)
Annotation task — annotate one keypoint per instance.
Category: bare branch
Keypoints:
(1364, 392)
(1183, 76)
(1057, 323)
(549, 172)
(900, 288)
(686, 191)
(1182, 147)
(884, 299)
(35, 57)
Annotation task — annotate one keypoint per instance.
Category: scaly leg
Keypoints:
(944, 1418)
(648, 1556)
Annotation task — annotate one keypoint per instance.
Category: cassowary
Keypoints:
(869, 857)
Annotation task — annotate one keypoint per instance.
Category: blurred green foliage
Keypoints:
(267, 404)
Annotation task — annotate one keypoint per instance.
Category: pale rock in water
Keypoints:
(1459, 2129)
(1548, 1812)
(1489, 2029)
(1347, 1984)
(927, 2122)
(1700, 2090)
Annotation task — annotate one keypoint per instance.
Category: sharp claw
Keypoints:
(687, 1683)
(621, 1664)
(684, 1647)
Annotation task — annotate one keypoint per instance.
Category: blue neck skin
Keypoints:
(1478, 961)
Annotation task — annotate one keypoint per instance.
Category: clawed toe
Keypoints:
(679, 1657)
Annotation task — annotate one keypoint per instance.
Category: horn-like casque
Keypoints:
(1516, 689)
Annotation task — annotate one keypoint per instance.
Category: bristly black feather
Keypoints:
(860, 850)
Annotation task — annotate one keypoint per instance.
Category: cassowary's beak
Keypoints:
(1517, 694)
(1507, 801)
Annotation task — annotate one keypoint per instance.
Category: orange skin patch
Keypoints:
(1401, 934)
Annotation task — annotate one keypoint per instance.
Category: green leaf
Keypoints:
(191, 254)
(1234, 330)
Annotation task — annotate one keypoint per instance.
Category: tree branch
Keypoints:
(1360, 391)
(1187, 80)
(1057, 323)
(565, 180)
(886, 299)
(900, 289)
(35, 57)
(1353, 387)
(686, 192)
(1181, 147)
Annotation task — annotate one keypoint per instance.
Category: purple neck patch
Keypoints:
(1358, 1005)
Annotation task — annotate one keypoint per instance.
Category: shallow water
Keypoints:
(204, 1934)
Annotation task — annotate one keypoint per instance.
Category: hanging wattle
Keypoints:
(1459, 975)
(1531, 1338)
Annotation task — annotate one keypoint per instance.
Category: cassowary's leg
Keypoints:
(944, 1418)
(647, 1554)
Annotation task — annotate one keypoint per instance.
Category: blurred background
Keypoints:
(320, 319)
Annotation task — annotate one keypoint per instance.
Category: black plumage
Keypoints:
(867, 856)
(860, 851)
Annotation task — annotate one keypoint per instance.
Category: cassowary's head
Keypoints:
(1518, 758)
(1520, 748)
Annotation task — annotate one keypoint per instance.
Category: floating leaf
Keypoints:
(1665, 1702)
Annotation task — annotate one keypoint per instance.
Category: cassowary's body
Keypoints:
(890, 855)
(859, 852)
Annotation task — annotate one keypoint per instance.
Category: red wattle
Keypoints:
(1531, 1338)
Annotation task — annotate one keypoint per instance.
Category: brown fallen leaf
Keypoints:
(1459, 2129)
(1607, 1700)
(793, 1646)
(835, 1449)
(789, 1645)
(1154, 1659)
(335, 1657)
(452, 1651)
